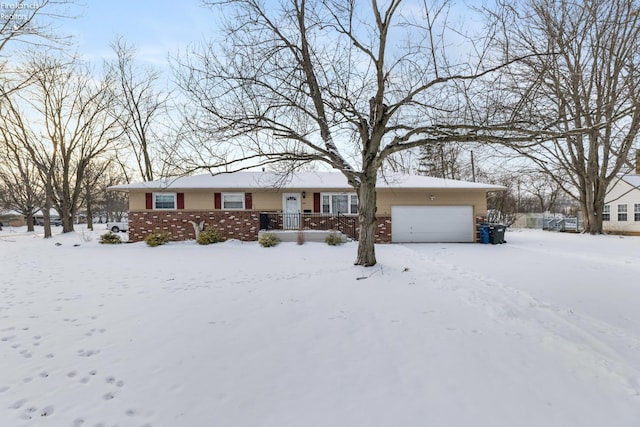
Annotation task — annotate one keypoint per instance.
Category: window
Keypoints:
(344, 203)
(636, 212)
(164, 200)
(233, 201)
(606, 213)
(622, 212)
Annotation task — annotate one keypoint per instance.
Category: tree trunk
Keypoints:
(367, 220)
(67, 215)
(594, 216)
(46, 209)
(67, 222)
(30, 221)
(89, 214)
(46, 217)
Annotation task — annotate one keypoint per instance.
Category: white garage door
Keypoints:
(432, 224)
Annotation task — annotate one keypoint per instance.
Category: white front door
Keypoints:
(291, 210)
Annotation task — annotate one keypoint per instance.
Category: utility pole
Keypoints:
(473, 169)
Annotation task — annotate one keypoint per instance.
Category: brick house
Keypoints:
(409, 208)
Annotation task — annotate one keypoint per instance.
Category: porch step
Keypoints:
(309, 235)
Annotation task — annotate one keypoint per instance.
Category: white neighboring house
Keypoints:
(622, 205)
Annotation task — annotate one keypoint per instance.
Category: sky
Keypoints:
(156, 28)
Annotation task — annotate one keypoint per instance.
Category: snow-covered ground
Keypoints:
(542, 331)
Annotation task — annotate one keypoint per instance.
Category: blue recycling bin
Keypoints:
(485, 233)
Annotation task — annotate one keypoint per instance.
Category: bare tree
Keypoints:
(68, 125)
(22, 189)
(590, 86)
(19, 137)
(140, 101)
(31, 22)
(114, 204)
(545, 190)
(443, 161)
(347, 84)
(93, 192)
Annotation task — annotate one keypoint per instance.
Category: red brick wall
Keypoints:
(241, 225)
(383, 229)
(479, 220)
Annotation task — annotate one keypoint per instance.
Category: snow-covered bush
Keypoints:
(209, 235)
(110, 239)
(158, 238)
(333, 239)
(268, 239)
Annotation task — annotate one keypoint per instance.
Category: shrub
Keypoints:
(110, 239)
(333, 239)
(209, 235)
(157, 238)
(268, 239)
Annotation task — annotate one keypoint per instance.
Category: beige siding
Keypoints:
(272, 200)
(198, 200)
(136, 201)
(389, 198)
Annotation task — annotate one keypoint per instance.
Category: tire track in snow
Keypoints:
(594, 342)
(626, 261)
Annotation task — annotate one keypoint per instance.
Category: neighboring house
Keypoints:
(38, 217)
(409, 208)
(622, 205)
(9, 218)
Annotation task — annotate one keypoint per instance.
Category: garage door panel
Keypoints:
(432, 224)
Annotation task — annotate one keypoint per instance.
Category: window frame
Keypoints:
(174, 196)
(606, 213)
(623, 212)
(351, 197)
(242, 196)
(636, 212)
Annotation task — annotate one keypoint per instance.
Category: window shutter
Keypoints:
(148, 198)
(248, 201)
(217, 200)
(180, 200)
(316, 202)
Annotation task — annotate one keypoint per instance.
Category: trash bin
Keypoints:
(496, 233)
(485, 234)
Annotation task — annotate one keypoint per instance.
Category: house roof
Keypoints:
(9, 212)
(633, 180)
(301, 180)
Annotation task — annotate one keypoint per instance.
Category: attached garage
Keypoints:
(423, 224)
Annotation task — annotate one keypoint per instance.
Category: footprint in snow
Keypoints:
(18, 404)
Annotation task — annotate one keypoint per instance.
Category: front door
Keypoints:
(291, 210)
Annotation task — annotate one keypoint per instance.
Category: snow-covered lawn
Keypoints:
(542, 331)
